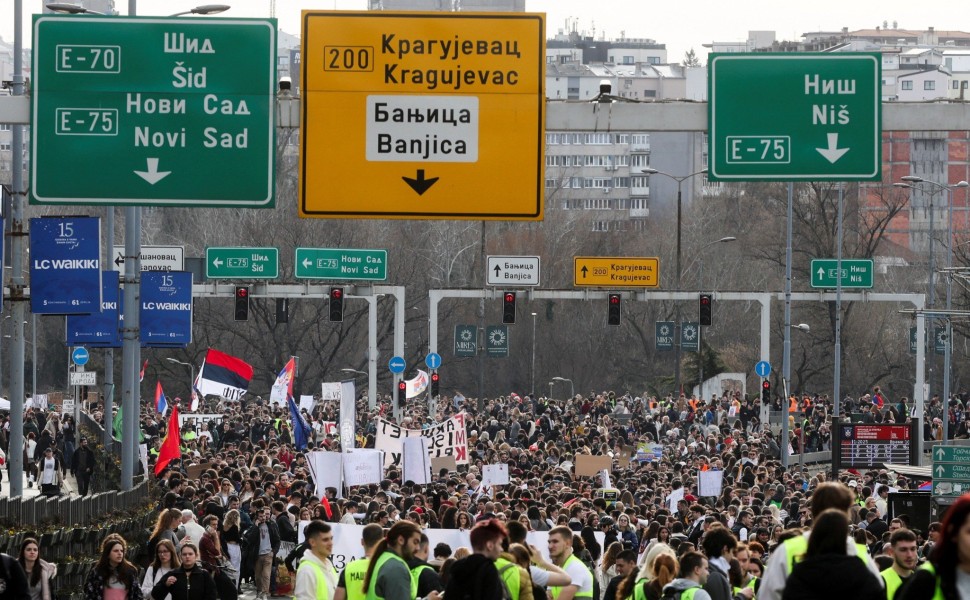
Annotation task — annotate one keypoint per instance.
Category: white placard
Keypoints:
(363, 466)
(446, 438)
(709, 483)
(348, 415)
(417, 463)
(306, 403)
(199, 419)
(330, 391)
(327, 471)
(495, 474)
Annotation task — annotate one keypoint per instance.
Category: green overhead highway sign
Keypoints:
(951, 471)
(341, 263)
(242, 263)
(947, 454)
(784, 117)
(856, 273)
(153, 111)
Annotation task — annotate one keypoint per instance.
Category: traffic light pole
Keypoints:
(786, 348)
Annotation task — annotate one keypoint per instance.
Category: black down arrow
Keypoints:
(420, 185)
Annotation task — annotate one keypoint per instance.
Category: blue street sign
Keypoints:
(397, 364)
(166, 308)
(100, 329)
(433, 360)
(65, 265)
(762, 369)
(80, 356)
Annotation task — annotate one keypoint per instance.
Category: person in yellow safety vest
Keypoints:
(316, 579)
(827, 495)
(424, 577)
(905, 557)
(388, 576)
(561, 552)
(693, 577)
(476, 576)
(350, 584)
(944, 575)
(743, 556)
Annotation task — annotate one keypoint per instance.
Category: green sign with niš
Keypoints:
(856, 273)
(341, 263)
(153, 111)
(786, 117)
(242, 263)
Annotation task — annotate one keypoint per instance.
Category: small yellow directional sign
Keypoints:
(616, 272)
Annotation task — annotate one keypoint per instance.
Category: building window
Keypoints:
(929, 85)
(956, 84)
(4, 126)
(907, 85)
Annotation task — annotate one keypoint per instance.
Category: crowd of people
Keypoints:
(769, 532)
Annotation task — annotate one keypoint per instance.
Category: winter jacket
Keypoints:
(833, 577)
(474, 577)
(677, 587)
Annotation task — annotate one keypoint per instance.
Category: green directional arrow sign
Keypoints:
(341, 263)
(951, 454)
(242, 263)
(784, 117)
(153, 111)
(951, 471)
(856, 273)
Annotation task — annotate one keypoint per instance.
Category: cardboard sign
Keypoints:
(195, 471)
(495, 474)
(590, 466)
(443, 462)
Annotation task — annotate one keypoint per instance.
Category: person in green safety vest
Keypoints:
(905, 557)
(476, 576)
(424, 577)
(561, 552)
(350, 585)
(946, 575)
(316, 578)
(388, 576)
(827, 495)
(692, 577)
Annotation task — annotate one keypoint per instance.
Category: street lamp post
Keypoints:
(191, 372)
(948, 345)
(680, 181)
(572, 390)
(700, 328)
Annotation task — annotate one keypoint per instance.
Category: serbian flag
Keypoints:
(170, 447)
(141, 374)
(283, 388)
(926, 486)
(161, 404)
(224, 375)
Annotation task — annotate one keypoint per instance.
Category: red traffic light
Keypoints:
(242, 292)
(766, 385)
(434, 377)
(336, 293)
(614, 298)
(402, 385)
(509, 297)
(705, 299)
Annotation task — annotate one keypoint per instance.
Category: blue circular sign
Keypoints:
(433, 360)
(397, 364)
(762, 369)
(80, 356)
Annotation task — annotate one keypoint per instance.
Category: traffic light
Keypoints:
(282, 310)
(613, 316)
(435, 380)
(242, 303)
(508, 308)
(706, 309)
(765, 391)
(402, 392)
(336, 304)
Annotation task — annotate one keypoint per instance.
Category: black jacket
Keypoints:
(14, 579)
(718, 585)
(287, 531)
(250, 546)
(922, 585)
(833, 577)
(474, 578)
(195, 584)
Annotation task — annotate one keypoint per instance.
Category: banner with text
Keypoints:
(444, 439)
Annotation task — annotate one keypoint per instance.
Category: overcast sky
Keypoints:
(680, 25)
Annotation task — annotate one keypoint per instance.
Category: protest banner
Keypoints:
(444, 439)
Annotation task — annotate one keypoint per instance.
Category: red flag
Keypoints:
(170, 447)
(326, 506)
(141, 374)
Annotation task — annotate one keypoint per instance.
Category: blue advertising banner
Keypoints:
(166, 308)
(65, 265)
(98, 329)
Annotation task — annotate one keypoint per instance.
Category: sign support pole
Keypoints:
(837, 376)
(109, 355)
(786, 350)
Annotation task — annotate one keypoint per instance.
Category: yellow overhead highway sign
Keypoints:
(422, 115)
(616, 272)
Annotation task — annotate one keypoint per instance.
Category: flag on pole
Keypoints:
(196, 393)
(283, 388)
(225, 375)
(301, 431)
(141, 374)
(118, 426)
(170, 447)
(161, 404)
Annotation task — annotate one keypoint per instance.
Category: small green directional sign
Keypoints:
(856, 273)
(242, 263)
(951, 454)
(341, 263)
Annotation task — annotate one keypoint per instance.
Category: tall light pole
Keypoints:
(191, 372)
(948, 345)
(700, 284)
(572, 390)
(533, 354)
(680, 181)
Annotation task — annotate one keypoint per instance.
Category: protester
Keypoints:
(316, 578)
(189, 581)
(113, 577)
(692, 577)
(476, 577)
(946, 574)
(166, 559)
(39, 572)
(388, 576)
(350, 585)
